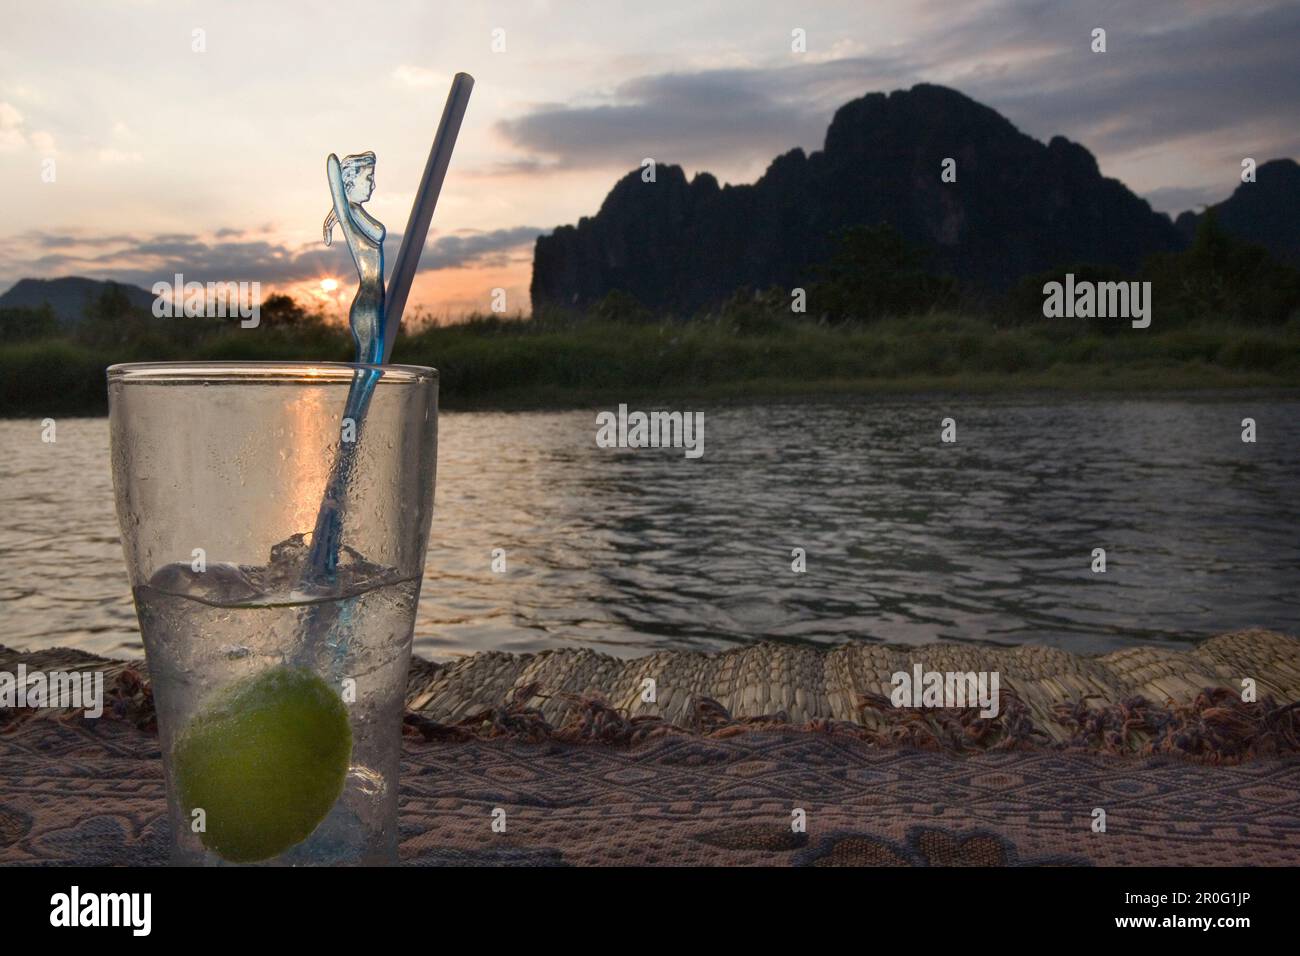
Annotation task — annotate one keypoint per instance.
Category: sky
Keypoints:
(204, 152)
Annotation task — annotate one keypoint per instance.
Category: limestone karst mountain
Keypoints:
(68, 297)
(1266, 212)
(1018, 207)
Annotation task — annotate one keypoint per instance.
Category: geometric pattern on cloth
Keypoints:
(92, 793)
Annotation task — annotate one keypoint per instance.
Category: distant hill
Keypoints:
(1018, 207)
(1266, 211)
(68, 297)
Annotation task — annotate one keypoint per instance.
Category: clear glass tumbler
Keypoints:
(279, 679)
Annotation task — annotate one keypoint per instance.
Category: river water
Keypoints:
(907, 539)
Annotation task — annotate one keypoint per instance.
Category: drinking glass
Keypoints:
(279, 686)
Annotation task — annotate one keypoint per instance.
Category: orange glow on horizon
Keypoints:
(441, 296)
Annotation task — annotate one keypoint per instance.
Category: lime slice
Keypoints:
(265, 762)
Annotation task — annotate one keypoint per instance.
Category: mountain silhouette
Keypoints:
(1266, 211)
(68, 297)
(1017, 207)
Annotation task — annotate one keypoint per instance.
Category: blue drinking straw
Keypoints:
(426, 198)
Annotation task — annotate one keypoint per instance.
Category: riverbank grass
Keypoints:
(511, 363)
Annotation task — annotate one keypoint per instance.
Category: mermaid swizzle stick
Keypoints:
(352, 182)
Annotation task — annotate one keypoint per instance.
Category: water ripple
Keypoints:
(907, 539)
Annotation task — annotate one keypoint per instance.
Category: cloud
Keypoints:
(117, 157)
(508, 169)
(14, 136)
(419, 76)
(691, 118)
(143, 260)
(477, 248)
(1207, 77)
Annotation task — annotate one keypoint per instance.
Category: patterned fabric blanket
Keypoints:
(92, 793)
